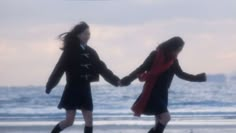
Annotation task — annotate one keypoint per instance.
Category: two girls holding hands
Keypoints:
(82, 65)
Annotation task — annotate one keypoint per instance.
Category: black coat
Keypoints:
(81, 66)
(158, 100)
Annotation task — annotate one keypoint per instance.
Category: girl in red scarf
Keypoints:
(157, 72)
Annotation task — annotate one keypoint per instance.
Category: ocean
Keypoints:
(187, 100)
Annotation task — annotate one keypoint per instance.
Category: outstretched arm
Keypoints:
(56, 74)
(106, 73)
(142, 68)
(189, 77)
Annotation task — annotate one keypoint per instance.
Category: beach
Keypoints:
(181, 126)
(70, 59)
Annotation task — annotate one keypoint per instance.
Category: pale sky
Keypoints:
(124, 32)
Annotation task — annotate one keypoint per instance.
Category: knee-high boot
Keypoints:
(56, 129)
(151, 130)
(88, 129)
(160, 128)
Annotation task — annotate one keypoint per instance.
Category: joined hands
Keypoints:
(124, 82)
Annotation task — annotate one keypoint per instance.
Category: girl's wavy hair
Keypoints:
(70, 39)
(171, 46)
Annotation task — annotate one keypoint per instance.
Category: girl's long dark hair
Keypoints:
(70, 39)
(170, 46)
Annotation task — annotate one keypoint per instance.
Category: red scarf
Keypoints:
(159, 66)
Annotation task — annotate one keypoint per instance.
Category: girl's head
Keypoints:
(79, 34)
(172, 47)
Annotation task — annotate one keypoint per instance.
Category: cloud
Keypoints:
(28, 12)
(122, 47)
(123, 33)
(205, 41)
(228, 56)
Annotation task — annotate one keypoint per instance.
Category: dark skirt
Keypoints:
(77, 96)
(157, 103)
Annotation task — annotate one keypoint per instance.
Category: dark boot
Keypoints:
(160, 128)
(56, 129)
(88, 129)
(151, 130)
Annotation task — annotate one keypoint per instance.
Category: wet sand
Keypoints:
(182, 126)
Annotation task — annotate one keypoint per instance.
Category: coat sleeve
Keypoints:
(186, 76)
(106, 73)
(146, 65)
(57, 72)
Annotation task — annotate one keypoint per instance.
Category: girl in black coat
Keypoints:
(157, 100)
(82, 65)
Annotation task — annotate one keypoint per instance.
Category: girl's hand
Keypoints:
(119, 83)
(125, 81)
(202, 77)
(47, 90)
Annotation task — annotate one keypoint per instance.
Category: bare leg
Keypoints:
(161, 122)
(88, 118)
(163, 118)
(70, 117)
